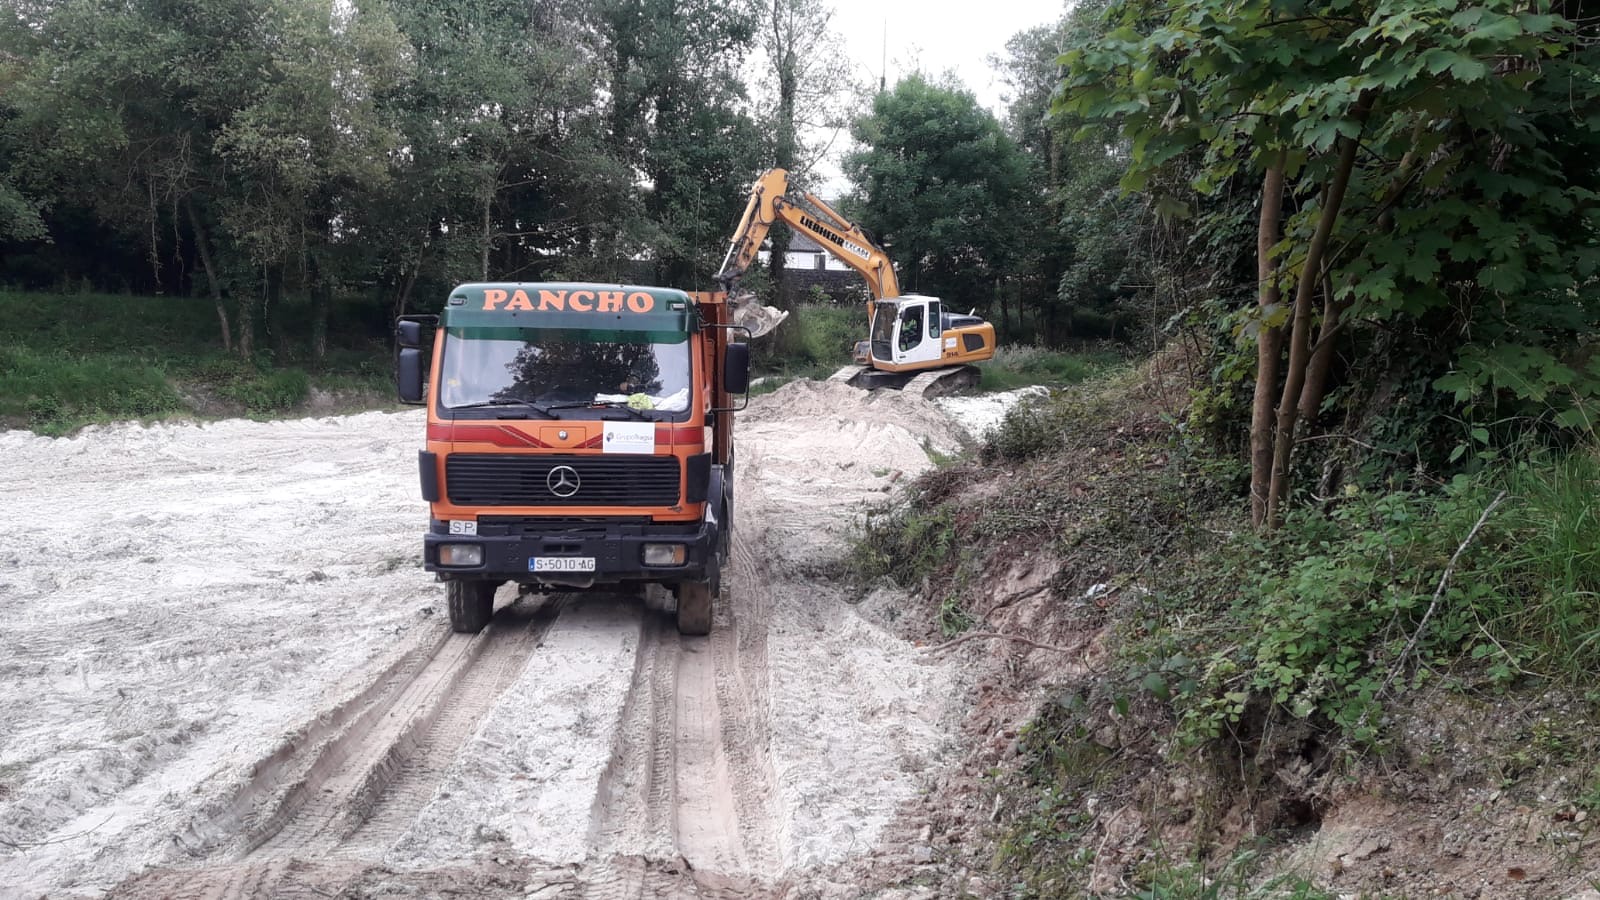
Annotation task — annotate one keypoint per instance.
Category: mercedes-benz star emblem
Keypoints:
(562, 481)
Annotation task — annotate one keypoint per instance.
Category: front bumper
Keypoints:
(617, 550)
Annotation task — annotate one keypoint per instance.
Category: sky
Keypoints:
(936, 36)
(933, 37)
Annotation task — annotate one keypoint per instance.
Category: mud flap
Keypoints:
(719, 509)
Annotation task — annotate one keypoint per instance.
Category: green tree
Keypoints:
(805, 83)
(1091, 244)
(307, 147)
(943, 187)
(118, 112)
(1417, 164)
(19, 215)
(679, 113)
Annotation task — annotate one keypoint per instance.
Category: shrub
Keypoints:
(53, 393)
(270, 392)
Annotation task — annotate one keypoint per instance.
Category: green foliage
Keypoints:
(1236, 879)
(69, 360)
(269, 392)
(905, 543)
(1030, 429)
(1063, 766)
(261, 151)
(819, 339)
(1321, 622)
(1021, 365)
(939, 182)
(1469, 230)
(52, 393)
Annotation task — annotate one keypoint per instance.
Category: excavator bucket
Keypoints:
(752, 315)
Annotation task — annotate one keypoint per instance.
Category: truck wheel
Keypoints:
(471, 605)
(695, 600)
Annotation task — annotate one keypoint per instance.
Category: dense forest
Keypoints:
(1402, 189)
(280, 155)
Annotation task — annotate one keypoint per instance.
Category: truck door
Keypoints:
(917, 334)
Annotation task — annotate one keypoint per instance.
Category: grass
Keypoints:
(1016, 366)
(55, 392)
(69, 360)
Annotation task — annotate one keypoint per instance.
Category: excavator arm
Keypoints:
(911, 341)
(770, 202)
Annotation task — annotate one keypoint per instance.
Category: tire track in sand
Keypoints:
(347, 795)
(634, 806)
(690, 780)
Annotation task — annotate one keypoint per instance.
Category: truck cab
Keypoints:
(578, 436)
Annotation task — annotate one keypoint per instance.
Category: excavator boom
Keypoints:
(912, 342)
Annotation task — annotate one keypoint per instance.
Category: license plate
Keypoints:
(561, 564)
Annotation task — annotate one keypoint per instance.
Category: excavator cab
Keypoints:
(907, 331)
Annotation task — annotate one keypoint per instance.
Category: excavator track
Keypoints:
(928, 383)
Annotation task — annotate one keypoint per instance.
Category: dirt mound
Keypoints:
(827, 404)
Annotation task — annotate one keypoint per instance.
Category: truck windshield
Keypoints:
(573, 372)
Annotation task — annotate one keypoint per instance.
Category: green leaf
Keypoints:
(1501, 29)
(1156, 685)
(1467, 69)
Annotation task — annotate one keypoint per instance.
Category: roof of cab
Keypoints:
(568, 305)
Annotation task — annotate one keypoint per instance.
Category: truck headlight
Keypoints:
(664, 554)
(460, 554)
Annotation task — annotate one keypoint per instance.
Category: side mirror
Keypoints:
(408, 375)
(736, 369)
(409, 331)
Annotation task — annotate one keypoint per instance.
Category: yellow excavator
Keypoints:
(913, 343)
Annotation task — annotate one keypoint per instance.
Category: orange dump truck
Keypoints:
(579, 436)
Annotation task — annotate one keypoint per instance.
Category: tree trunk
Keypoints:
(1321, 355)
(1005, 308)
(403, 299)
(246, 344)
(321, 300)
(1269, 344)
(203, 245)
(488, 233)
(1300, 337)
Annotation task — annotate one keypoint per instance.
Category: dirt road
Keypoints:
(225, 676)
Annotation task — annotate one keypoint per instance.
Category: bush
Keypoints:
(1337, 606)
(270, 392)
(53, 394)
(1020, 365)
(1030, 429)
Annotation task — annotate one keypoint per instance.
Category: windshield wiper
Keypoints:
(608, 404)
(541, 410)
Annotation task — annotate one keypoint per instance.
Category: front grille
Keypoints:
(621, 480)
(525, 526)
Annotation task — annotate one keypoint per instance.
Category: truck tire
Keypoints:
(695, 602)
(471, 605)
